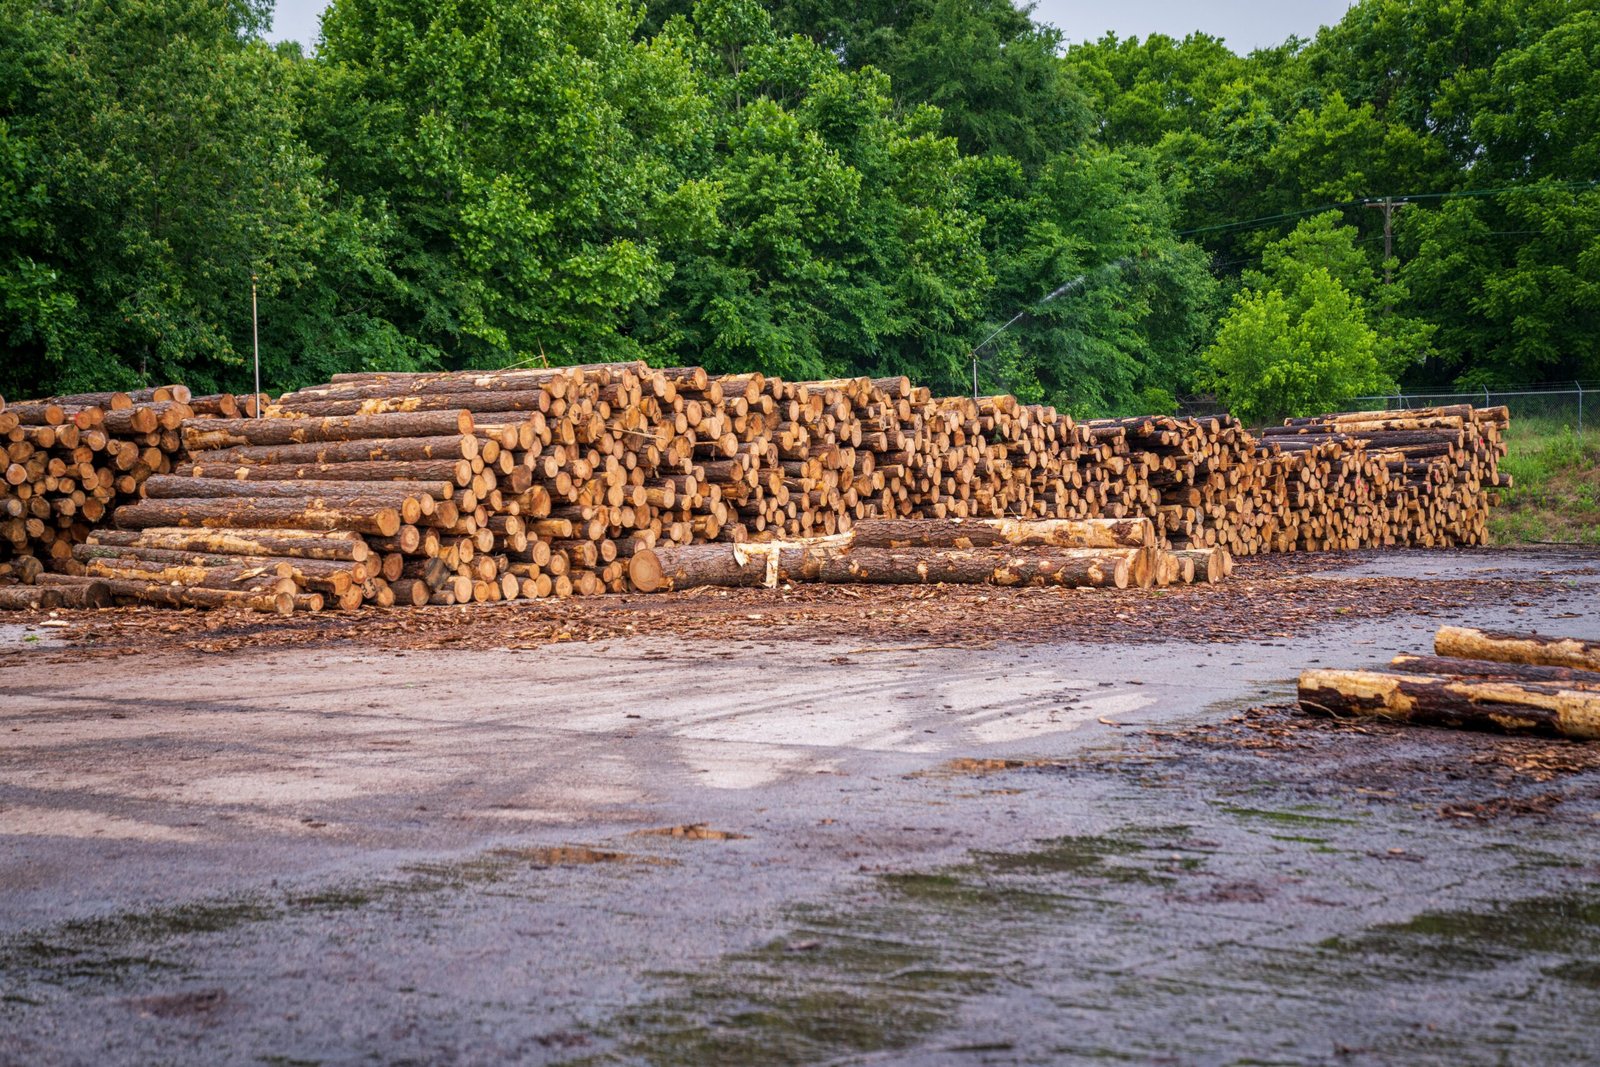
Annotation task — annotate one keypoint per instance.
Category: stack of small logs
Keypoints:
(1510, 683)
(489, 485)
(70, 460)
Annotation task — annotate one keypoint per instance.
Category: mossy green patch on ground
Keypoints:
(1555, 496)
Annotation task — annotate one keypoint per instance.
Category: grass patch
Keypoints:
(1555, 494)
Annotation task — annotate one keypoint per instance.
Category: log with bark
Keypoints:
(1510, 707)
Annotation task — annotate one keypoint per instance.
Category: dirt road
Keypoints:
(967, 827)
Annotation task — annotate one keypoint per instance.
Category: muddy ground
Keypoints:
(836, 826)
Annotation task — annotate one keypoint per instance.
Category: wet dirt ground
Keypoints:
(845, 826)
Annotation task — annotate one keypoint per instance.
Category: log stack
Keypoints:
(69, 461)
(487, 485)
(1508, 683)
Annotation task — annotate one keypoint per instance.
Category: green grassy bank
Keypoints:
(1556, 491)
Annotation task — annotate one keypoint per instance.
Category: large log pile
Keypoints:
(478, 486)
(1509, 683)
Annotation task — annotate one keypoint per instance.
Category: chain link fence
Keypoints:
(1574, 404)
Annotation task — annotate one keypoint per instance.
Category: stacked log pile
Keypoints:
(1510, 683)
(69, 461)
(479, 486)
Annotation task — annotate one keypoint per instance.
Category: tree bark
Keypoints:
(1467, 643)
(1509, 707)
(457, 471)
(256, 514)
(978, 533)
(200, 435)
(294, 544)
(391, 449)
(1487, 670)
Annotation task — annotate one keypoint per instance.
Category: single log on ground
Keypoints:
(1466, 643)
(29, 598)
(78, 591)
(294, 544)
(200, 435)
(1510, 707)
(255, 514)
(1004, 567)
(1488, 670)
(979, 533)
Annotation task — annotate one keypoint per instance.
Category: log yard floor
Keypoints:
(831, 825)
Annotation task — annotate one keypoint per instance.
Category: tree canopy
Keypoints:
(803, 187)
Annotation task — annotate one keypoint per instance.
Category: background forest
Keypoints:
(809, 188)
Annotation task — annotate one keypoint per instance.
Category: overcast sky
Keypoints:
(1245, 24)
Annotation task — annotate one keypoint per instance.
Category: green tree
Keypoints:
(152, 164)
(1297, 339)
(522, 152)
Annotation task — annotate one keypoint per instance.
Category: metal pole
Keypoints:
(974, 375)
(255, 333)
(1580, 407)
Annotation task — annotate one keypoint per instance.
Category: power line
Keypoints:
(1267, 220)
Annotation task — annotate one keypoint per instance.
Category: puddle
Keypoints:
(697, 831)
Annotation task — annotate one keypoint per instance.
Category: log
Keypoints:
(292, 544)
(1507, 707)
(201, 435)
(79, 592)
(457, 471)
(1466, 643)
(183, 597)
(29, 598)
(976, 533)
(369, 450)
(262, 514)
(1488, 670)
(1004, 567)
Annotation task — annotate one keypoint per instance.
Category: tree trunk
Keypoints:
(457, 471)
(295, 544)
(200, 435)
(979, 533)
(392, 449)
(1541, 708)
(1487, 670)
(256, 514)
(1467, 643)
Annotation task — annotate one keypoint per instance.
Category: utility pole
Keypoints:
(1388, 205)
(255, 336)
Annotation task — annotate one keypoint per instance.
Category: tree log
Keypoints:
(200, 435)
(1488, 670)
(457, 471)
(396, 449)
(293, 544)
(255, 514)
(978, 533)
(1466, 643)
(1507, 707)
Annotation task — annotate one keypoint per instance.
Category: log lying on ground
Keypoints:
(294, 544)
(28, 598)
(1510, 707)
(1466, 643)
(979, 566)
(78, 591)
(179, 596)
(1489, 670)
(982, 533)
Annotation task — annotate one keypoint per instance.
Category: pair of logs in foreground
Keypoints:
(1510, 683)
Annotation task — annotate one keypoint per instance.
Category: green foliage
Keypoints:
(805, 187)
(1297, 339)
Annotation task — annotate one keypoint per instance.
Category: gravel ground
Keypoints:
(822, 826)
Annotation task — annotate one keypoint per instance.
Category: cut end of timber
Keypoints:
(644, 571)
